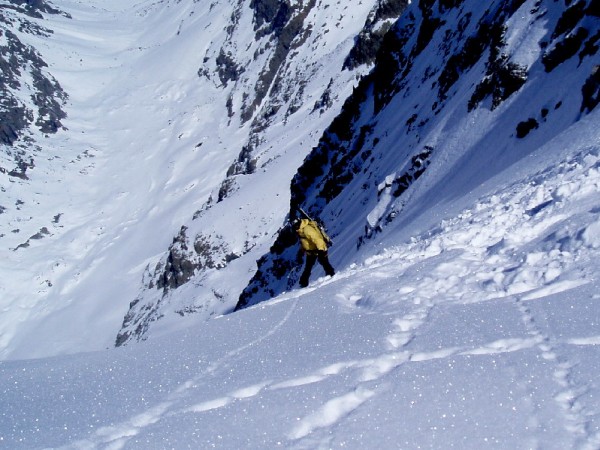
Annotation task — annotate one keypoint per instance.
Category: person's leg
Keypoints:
(311, 258)
(324, 261)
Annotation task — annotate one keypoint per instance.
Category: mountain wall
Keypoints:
(285, 77)
(147, 151)
(455, 85)
(31, 98)
(288, 73)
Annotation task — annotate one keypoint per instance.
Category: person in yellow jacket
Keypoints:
(314, 242)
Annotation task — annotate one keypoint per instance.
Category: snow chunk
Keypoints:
(591, 235)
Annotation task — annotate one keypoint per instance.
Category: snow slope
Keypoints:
(480, 331)
(466, 317)
(152, 131)
(451, 104)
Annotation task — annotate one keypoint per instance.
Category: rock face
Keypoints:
(467, 59)
(23, 69)
(371, 37)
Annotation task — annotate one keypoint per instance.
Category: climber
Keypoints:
(314, 242)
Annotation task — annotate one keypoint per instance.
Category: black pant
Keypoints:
(311, 258)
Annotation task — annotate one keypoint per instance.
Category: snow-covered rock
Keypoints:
(459, 93)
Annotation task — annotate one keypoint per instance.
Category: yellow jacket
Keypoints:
(311, 237)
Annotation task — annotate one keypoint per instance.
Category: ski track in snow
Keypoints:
(116, 436)
(575, 420)
(456, 279)
(517, 269)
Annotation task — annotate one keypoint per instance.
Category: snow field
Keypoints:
(461, 335)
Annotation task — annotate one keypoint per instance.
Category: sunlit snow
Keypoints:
(473, 323)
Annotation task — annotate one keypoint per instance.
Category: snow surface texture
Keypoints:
(481, 332)
(469, 321)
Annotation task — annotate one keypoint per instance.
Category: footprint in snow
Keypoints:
(330, 413)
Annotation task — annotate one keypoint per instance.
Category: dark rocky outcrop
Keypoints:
(32, 8)
(525, 127)
(285, 26)
(370, 39)
(591, 91)
(573, 34)
(16, 58)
